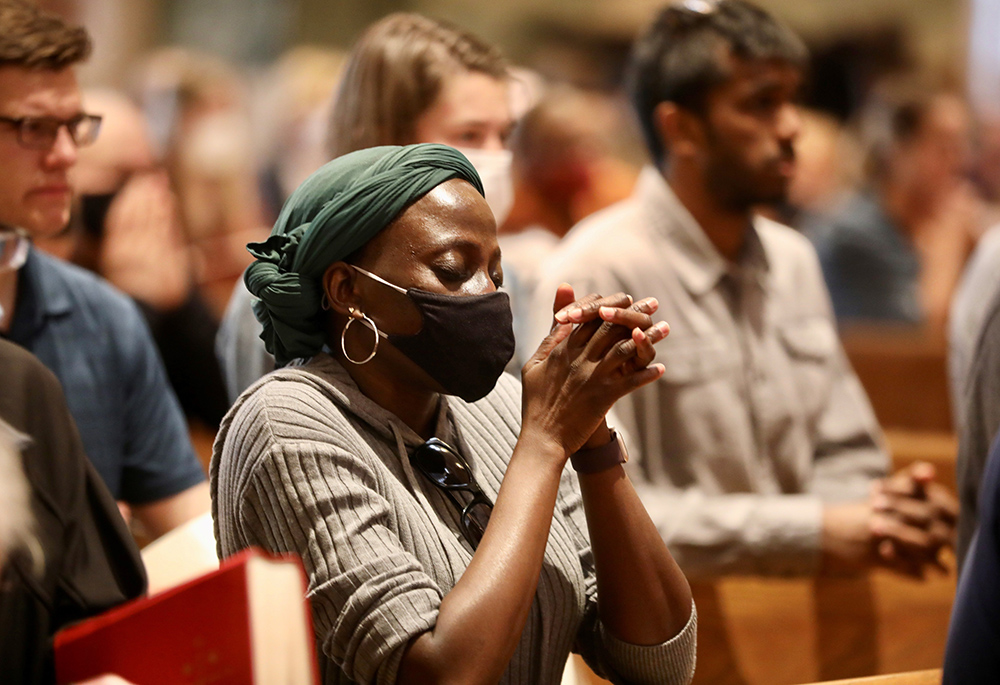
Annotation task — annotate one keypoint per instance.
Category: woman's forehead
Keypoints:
(452, 213)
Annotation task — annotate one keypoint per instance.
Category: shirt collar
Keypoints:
(40, 296)
(351, 399)
(55, 299)
(753, 262)
(697, 262)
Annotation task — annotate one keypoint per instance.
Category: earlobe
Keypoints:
(340, 288)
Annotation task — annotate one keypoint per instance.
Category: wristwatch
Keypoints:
(600, 458)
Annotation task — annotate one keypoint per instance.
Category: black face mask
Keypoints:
(464, 343)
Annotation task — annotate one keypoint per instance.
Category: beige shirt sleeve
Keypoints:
(759, 419)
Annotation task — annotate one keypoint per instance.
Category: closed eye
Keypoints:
(471, 138)
(451, 274)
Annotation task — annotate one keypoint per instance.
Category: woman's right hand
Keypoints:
(599, 350)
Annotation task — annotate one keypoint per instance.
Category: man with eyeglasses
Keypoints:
(757, 450)
(91, 336)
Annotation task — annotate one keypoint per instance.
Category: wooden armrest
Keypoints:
(931, 677)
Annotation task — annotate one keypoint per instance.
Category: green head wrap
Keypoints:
(334, 212)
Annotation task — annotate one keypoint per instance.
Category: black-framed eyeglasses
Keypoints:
(40, 133)
(443, 466)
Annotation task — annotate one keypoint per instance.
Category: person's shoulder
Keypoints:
(990, 240)
(612, 221)
(291, 415)
(979, 284)
(19, 368)
(16, 359)
(793, 262)
(88, 292)
(273, 415)
(987, 342)
(292, 397)
(87, 283)
(294, 403)
(32, 402)
(984, 262)
(608, 235)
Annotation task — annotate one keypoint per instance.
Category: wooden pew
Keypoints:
(202, 438)
(931, 677)
(904, 370)
(775, 631)
(766, 631)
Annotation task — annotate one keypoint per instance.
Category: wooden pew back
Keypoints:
(905, 373)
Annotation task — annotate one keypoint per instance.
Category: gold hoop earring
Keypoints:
(356, 315)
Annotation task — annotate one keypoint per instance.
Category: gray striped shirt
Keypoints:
(305, 463)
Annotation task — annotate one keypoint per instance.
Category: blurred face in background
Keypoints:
(471, 111)
(748, 129)
(35, 189)
(937, 156)
(824, 163)
(124, 147)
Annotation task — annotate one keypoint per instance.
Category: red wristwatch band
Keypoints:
(600, 458)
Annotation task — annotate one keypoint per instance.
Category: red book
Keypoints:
(247, 622)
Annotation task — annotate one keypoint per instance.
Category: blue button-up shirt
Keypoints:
(96, 342)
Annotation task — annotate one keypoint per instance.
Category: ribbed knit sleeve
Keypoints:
(671, 662)
(319, 497)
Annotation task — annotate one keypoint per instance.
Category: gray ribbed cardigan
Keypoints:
(305, 463)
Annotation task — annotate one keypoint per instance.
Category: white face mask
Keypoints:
(494, 168)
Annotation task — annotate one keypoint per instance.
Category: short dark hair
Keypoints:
(35, 39)
(680, 58)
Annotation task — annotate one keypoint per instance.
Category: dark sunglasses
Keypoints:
(443, 466)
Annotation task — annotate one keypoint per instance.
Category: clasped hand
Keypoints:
(913, 519)
(904, 525)
(599, 349)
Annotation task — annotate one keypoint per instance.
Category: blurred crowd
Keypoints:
(196, 158)
(898, 192)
